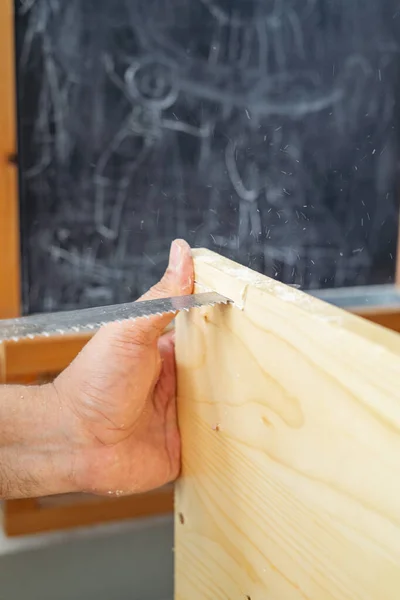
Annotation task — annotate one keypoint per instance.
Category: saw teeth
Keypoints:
(171, 307)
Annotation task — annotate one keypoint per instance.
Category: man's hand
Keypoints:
(108, 423)
(120, 392)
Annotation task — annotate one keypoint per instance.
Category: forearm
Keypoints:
(35, 459)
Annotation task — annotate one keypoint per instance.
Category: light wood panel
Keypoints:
(289, 411)
(9, 212)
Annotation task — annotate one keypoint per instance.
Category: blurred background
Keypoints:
(264, 129)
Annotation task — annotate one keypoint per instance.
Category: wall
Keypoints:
(130, 561)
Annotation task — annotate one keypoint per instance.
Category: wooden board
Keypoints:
(25, 517)
(9, 211)
(41, 356)
(387, 317)
(289, 411)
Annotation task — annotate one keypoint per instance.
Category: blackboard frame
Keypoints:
(10, 268)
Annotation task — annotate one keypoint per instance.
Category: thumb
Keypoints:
(177, 281)
(178, 278)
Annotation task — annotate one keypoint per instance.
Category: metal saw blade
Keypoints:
(88, 319)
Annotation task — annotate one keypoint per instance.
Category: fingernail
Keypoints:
(175, 257)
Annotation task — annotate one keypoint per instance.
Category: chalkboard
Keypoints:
(264, 129)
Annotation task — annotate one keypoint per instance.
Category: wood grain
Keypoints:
(289, 411)
(9, 211)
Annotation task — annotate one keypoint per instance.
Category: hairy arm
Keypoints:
(35, 454)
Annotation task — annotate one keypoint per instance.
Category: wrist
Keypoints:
(55, 450)
(36, 458)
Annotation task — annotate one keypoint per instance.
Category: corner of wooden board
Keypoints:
(241, 284)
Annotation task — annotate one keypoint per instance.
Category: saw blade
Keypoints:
(88, 319)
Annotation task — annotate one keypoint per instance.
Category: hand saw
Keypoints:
(87, 319)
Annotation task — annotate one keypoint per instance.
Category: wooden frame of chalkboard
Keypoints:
(30, 516)
(9, 220)
(42, 359)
